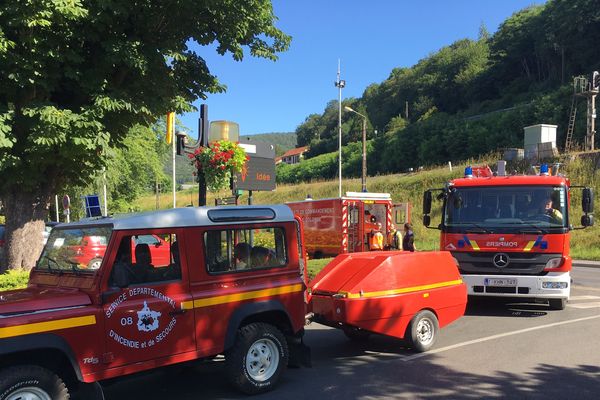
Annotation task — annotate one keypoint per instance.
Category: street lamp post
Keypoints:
(340, 84)
(364, 147)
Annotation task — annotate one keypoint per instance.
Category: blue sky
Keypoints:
(370, 39)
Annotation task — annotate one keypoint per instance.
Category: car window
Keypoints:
(139, 261)
(72, 250)
(147, 239)
(238, 250)
(97, 240)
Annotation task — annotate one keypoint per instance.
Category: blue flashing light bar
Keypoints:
(468, 172)
(544, 169)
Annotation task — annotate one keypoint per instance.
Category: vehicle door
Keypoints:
(355, 227)
(401, 214)
(146, 302)
(237, 266)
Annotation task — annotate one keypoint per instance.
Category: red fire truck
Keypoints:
(510, 234)
(344, 225)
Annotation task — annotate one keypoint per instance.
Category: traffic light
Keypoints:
(170, 127)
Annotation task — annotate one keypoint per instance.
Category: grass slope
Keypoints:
(585, 244)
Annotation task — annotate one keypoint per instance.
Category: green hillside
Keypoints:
(283, 141)
(585, 244)
(468, 98)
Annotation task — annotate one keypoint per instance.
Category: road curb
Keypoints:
(586, 263)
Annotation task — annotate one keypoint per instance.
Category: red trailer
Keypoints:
(401, 294)
(344, 225)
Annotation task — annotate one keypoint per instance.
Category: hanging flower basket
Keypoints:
(218, 162)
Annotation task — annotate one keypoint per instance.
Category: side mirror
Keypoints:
(587, 220)
(587, 201)
(427, 202)
(426, 220)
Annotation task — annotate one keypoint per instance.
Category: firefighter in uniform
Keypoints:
(394, 239)
(376, 239)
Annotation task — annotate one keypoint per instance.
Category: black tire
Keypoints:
(32, 380)
(557, 304)
(422, 331)
(258, 339)
(356, 334)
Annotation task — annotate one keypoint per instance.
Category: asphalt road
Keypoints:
(498, 350)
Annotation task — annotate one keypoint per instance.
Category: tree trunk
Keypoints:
(25, 216)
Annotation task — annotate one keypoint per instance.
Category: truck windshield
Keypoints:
(75, 249)
(506, 207)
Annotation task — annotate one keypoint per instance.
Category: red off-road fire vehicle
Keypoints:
(234, 284)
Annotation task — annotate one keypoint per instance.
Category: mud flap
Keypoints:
(89, 391)
(299, 352)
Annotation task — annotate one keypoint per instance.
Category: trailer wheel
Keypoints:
(356, 334)
(257, 359)
(31, 382)
(421, 333)
(557, 304)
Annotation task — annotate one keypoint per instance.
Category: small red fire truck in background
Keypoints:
(510, 234)
(344, 225)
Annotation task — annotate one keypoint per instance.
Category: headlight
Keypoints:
(554, 262)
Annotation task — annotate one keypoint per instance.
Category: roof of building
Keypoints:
(297, 150)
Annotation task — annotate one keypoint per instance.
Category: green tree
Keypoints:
(77, 75)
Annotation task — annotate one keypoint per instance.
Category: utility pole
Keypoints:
(173, 153)
(364, 156)
(203, 136)
(340, 84)
(104, 191)
(594, 87)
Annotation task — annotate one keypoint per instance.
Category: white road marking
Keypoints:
(585, 305)
(575, 298)
(494, 337)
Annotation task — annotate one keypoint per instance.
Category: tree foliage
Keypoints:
(77, 75)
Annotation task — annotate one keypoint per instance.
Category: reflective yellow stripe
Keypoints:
(230, 298)
(187, 305)
(474, 245)
(529, 246)
(39, 327)
(403, 290)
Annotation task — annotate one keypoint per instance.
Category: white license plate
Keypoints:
(499, 282)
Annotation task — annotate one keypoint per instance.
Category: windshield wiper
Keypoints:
(74, 268)
(531, 228)
(50, 269)
(478, 228)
